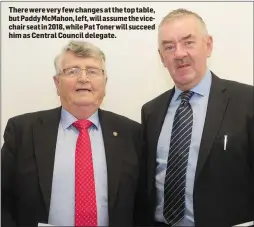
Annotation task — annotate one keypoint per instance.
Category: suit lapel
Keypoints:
(113, 146)
(45, 136)
(217, 104)
(155, 125)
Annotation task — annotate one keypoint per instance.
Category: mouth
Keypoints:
(83, 90)
(183, 66)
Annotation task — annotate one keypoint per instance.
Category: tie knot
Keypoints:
(82, 124)
(186, 96)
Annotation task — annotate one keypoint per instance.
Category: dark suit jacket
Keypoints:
(224, 180)
(28, 160)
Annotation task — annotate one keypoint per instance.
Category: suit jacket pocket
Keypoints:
(231, 142)
(231, 156)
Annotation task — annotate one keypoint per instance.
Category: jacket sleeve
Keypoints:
(8, 176)
(141, 214)
(251, 149)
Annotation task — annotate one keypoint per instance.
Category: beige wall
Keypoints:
(135, 72)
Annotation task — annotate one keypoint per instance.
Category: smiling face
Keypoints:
(184, 47)
(80, 91)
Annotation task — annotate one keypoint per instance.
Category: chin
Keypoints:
(183, 83)
(182, 79)
(185, 76)
(84, 103)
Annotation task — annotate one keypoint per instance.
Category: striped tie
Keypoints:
(174, 186)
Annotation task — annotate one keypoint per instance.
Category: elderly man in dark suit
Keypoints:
(76, 165)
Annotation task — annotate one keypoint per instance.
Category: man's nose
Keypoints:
(83, 77)
(180, 52)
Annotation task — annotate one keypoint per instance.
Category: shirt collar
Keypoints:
(68, 119)
(202, 88)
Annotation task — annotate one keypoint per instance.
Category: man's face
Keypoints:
(83, 90)
(184, 48)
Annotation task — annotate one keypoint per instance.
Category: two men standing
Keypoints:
(79, 165)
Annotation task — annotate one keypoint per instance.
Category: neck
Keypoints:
(81, 112)
(187, 87)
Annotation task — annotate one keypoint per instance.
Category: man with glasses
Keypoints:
(76, 165)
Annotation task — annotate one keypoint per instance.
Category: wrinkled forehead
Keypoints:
(176, 28)
(69, 59)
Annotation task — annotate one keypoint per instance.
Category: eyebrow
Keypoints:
(164, 42)
(187, 37)
(77, 66)
(72, 66)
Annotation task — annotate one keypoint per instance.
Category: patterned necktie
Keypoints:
(174, 186)
(85, 197)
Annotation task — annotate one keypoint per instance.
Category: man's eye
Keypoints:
(92, 71)
(169, 47)
(189, 42)
(72, 71)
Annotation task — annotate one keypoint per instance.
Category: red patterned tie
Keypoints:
(85, 197)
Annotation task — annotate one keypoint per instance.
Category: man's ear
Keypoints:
(209, 43)
(106, 80)
(161, 57)
(56, 81)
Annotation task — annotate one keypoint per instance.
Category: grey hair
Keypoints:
(80, 49)
(183, 12)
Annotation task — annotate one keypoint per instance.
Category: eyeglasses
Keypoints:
(77, 72)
